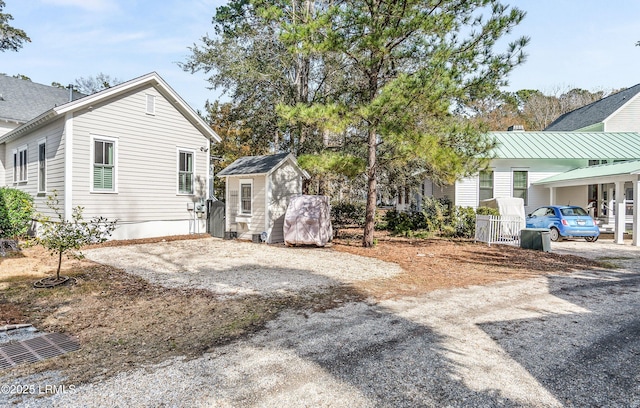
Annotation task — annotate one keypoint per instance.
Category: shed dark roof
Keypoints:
(23, 100)
(595, 112)
(253, 164)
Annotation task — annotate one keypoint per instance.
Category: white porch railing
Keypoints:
(498, 230)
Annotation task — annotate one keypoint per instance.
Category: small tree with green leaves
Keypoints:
(61, 236)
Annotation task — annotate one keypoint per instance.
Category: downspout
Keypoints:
(68, 166)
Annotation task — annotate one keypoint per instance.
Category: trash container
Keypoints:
(536, 238)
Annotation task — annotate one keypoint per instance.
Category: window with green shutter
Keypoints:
(185, 172)
(103, 165)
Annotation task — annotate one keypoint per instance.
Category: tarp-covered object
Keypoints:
(508, 207)
(308, 221)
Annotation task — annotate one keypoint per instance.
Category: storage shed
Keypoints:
(258, 189)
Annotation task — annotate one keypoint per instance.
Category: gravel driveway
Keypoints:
(234, 268)
(570, 340)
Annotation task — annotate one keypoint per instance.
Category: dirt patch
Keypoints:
(441, 264)
(122, 321)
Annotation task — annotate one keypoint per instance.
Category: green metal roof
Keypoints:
(567, 145)
(603, 170)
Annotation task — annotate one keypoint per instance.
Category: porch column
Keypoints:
(552, 195)
(620, 213)
(636, 212)
(610, 204)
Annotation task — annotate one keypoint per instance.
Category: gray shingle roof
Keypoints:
(253, 165)
(593, 113)
(23, 100)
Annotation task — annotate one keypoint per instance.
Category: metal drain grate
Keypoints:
(36, 349)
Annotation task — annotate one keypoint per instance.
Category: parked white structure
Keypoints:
(135, 152)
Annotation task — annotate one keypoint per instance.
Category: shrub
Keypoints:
(435, 212)
(487, 211)
(462, 222)
(344, 213)
(16, 212)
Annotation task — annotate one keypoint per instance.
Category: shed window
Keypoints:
(185, 172)
(520, 185)
(20, 165)
(486, 185)
(245, 198)
(42, 167)
(103, 165)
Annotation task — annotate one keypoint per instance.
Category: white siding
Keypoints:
(627, 119)
(466, 194)
(285, 182)
(572, 196)
(6, 127)
(256, 221)
(4, 165)
(53, 133)
(146, 164)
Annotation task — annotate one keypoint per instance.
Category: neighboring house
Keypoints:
(135, 152)
(258, 189)
(619, 112)
(576, 160)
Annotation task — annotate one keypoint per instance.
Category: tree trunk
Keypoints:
(59, 263)
(367, 238)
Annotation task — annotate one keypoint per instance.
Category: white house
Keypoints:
(587, 157)
(258, 189)
(135, 152)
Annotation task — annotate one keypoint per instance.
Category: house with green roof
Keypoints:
(588, 157)
(135, 152)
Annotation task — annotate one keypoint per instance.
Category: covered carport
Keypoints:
(614, 176)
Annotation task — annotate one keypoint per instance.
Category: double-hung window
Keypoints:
(185, 172)
(245, 196)
(520, 185)
(104, 167)
(20, 165)
(42, 167)
(486, 185)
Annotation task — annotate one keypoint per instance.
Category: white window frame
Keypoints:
(493, 184)
(150, 100)
(240, 184)
(18, 165)
(42, 167)
(108, 139)
(193, 171)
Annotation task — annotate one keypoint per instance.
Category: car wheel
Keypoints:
(555, 235)
(591, 239)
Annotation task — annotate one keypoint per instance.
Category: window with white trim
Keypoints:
(20, 165)
(246, 191)
(42, 166)
(151, 104)
(104, 165)
(521, 184)
(486, 185)
(185, 172)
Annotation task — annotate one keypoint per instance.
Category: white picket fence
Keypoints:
(498, 230)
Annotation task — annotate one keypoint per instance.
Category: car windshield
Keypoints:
(573, 211)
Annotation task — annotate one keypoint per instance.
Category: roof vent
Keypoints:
(516, 128)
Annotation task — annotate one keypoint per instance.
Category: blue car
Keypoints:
(564, 221)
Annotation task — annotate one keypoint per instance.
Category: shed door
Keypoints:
(215, 215)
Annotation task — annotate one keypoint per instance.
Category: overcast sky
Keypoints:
(574, 43)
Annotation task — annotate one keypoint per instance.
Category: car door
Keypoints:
(536, 219)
